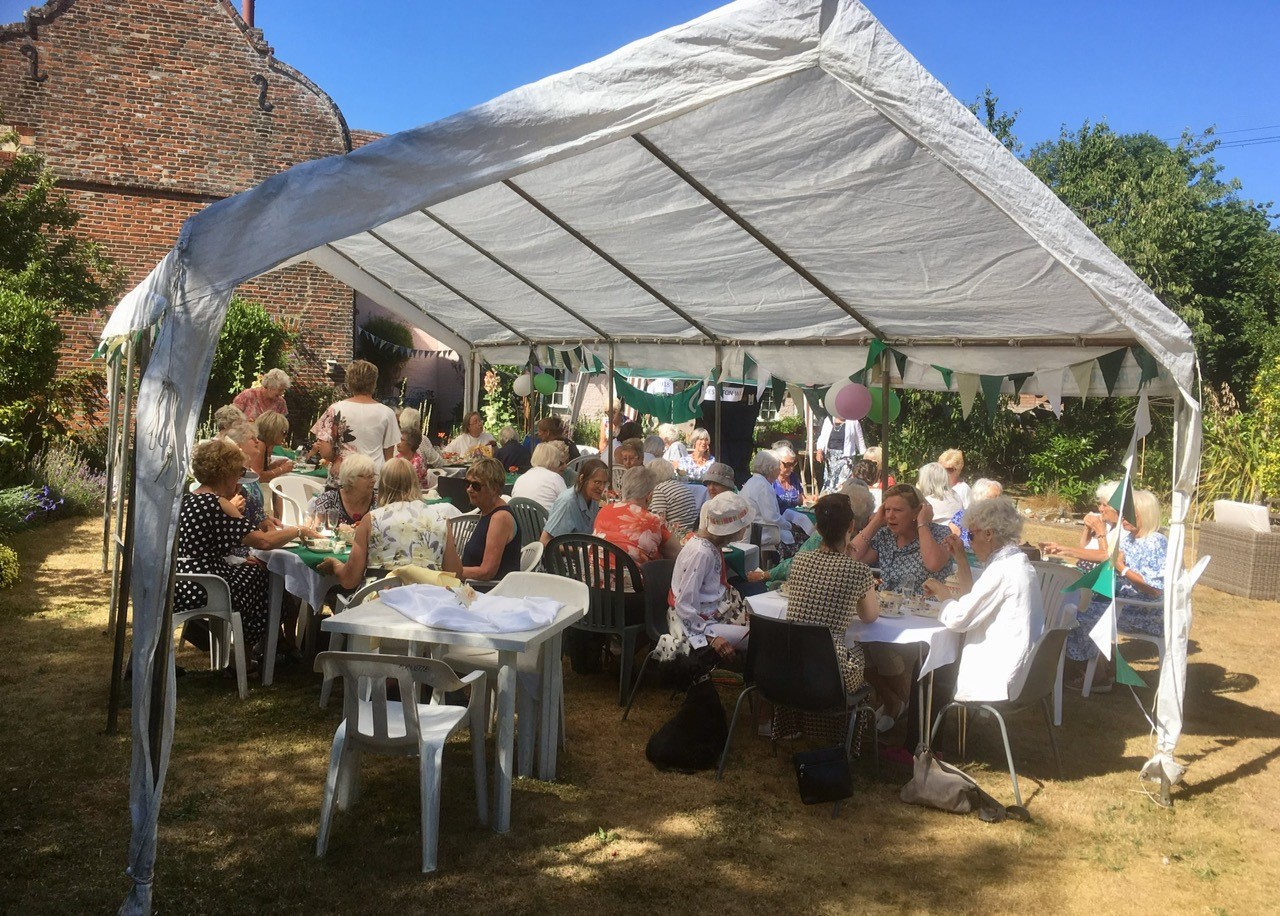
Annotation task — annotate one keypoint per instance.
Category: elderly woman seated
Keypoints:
(544, 482)
(400, 531)
(699, 460)
(1000, 614)
(935, 486)
(493, 549)
(673, 449)
(983, 488)
(863, 505)
(574, 511)
(511, 452)
(776, 536)
(672, 499)
(1097, 535)
(268, 394)
(787, 485)
(356, 494)
(704, 610)
(1139, 572)
(629, 524)
(212, 526)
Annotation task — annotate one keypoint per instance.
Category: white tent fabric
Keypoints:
(778, 179)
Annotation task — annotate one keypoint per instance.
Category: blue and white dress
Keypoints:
(1147, 556)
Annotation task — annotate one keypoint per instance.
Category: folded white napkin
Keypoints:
(433, 606)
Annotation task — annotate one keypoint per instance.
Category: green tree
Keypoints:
(251, 343)
(1207, 253)
(40, 253)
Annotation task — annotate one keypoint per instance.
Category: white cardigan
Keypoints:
(1001, 617)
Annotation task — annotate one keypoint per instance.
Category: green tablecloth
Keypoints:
(736, 560)
(805, 510)
(313, 557)
(281, 452)
(511, 478)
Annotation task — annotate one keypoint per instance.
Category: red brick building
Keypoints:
(149, 110)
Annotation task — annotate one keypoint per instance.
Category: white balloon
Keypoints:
(523, 385)
(829, 401)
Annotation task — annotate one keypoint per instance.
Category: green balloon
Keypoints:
(544, 383)
(876, 414)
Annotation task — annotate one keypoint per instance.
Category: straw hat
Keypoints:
(721, 473)
(727, 513)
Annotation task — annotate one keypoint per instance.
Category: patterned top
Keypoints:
(788, 492)
(636, 530)
(692, 469)
(1147, 556)
(395, 528)
(825, 587)
(256, 401)
(331, 501)
(902, 568)
(673, 500)
(354, 426)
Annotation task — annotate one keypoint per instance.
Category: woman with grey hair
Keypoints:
(268, 394)
(863, 506)
(934, 485)
(1001, 613)
(412, 419)
(758, 491)
(672, 499)
(511, 451)
(983, 488)
(695, 464)
(673, 449)
(629, 524)
(654, 447)
(544, 481)
(787, 487)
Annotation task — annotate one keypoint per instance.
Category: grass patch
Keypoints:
(237, 829)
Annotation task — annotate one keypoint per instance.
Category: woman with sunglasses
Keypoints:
(1097, 535)
(787, 486)
(494, 547)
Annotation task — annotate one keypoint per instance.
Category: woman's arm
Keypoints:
(861, 543)
(258, 539)
(502, 528)
(935, 555)
(352, 571)
(1135, 578)
(869, 606)
(964, 575)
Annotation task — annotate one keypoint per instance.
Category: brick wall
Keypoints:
(148, 111)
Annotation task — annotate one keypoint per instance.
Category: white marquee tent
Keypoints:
(778, 179)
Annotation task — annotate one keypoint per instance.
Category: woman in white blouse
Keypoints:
(544, 482)
(472, 437)
(758, 491)
(1001, 614)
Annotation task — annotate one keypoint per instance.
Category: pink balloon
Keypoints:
(853, 401)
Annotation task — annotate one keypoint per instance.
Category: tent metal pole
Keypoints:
(884, 421)
(610, 433)
(719, 386)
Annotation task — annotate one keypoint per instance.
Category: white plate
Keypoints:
(894, 612)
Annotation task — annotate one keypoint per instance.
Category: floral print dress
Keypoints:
(1145, 555)
(394, 530)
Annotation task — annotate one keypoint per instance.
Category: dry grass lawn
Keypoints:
(237, 830)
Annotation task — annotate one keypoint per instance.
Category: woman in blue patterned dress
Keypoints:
(1139, 571)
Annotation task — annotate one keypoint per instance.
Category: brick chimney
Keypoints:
(246, 12)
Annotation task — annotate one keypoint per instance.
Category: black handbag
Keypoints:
(823, 775)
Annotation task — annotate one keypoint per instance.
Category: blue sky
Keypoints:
(1141, 65)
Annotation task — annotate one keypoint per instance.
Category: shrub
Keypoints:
(25, 507)
(65, 472)
(1266, 403)
(1233, 453)
(251, 343)
(9, 569)
(587, 432)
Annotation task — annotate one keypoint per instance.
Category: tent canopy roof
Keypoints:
(778, 178)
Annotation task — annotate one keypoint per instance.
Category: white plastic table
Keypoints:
(289, 573)
(938, 645)
(373, 619)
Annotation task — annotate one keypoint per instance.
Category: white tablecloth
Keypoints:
(943, 645)
(299, 579)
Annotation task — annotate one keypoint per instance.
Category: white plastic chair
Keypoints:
(1193, 576)
(295, 491)
(569, 592)
(531, 556)
(372, 723)
(217, 610)
(338, 641)
(1060, 610)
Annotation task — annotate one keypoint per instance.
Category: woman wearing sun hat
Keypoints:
(704, 610)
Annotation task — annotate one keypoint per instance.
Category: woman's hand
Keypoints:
(723, 647)
(328, 567)
(1095, 525)
(237, 502)
(757, 575)
(935, 589)
(925, 515)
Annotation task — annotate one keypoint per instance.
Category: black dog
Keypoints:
(694, 738)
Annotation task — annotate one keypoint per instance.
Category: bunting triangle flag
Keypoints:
(873, 352)
(946, 375)
(900, 360)
(1141, 421)
(1019, 379)
(1146, 363)
(1109, 364)
(1103, 633)
(1122, 501)
(967, 385)
(1049, 382)
(1125, 674)
(1101, 580)
(991, 385)
(1083, 374)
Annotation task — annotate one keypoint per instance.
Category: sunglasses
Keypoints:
(474, 485)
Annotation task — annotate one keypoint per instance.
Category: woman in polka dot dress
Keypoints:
(210, 528)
